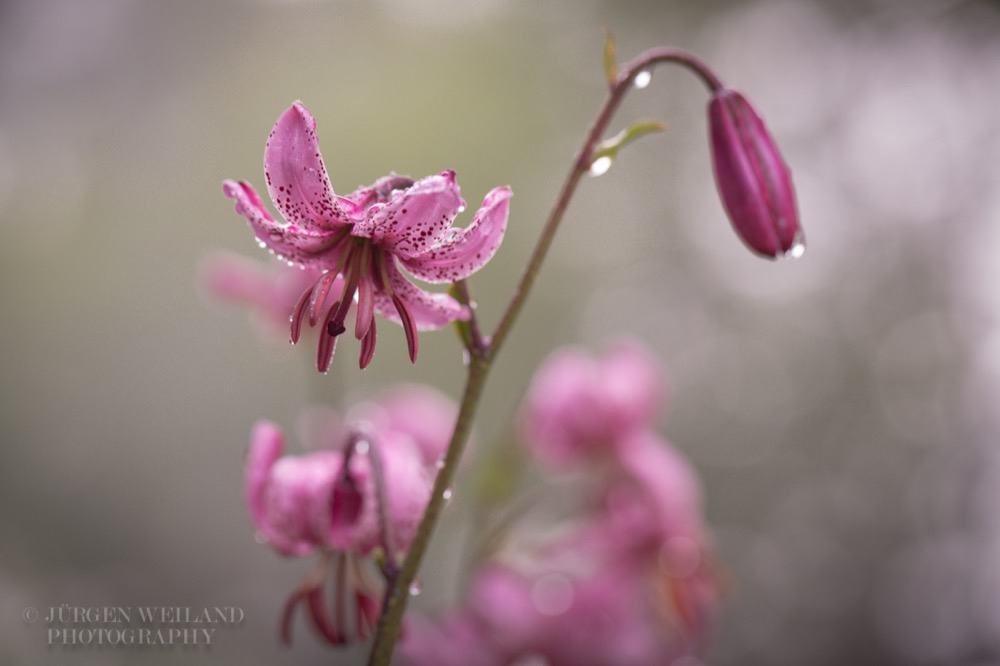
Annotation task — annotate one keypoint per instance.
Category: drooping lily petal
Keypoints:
(429, 310)
(468, 249)
(287, 241)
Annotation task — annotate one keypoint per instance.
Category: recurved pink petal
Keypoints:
(414, 219)
(266, 445)
(429, 311)
(296, 176)
(289, 241)
(468, 250)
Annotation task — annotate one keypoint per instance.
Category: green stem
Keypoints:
(482, 355)
(398, 593)
(581, 165)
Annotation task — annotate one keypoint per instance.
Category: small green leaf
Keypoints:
(610, 60)
(609, 147)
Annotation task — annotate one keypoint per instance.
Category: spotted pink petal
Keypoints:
(296, 176)
(288, 241)
(467, 250)
(429, 311)
(266, 445)
(414, 219)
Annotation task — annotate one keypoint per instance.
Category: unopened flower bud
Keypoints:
(753, 180)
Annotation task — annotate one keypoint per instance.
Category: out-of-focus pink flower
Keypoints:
(631, 581)
(579, 407)
(633, 585)
(753, 180)
(269, 291)
(366, 237)
(301, 503)
(344, 503)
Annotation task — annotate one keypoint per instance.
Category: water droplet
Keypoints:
(600, 166)
(798, 247)
(448, 494)
(461, 209)
(440, 464)
(261, 244)
(361, 446)
(642, 79)
(416, 587)
(291, 264)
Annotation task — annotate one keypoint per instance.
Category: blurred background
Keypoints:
(842, 408)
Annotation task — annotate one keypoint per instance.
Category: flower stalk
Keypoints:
(484, 350)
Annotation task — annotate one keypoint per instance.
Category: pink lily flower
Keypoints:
(368, 237)
(579, 407)
(347, 504)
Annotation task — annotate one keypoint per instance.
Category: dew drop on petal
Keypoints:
(448, 494)
(642, 79)
(416, 587)
(440, 464)
(600, 166)
(461, 209)
(797, 249)
(361, 446)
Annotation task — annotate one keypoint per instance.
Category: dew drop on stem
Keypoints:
(600, 166)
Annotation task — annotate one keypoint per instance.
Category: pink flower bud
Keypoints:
(753, 180)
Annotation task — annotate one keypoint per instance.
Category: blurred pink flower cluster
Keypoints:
(629, 579)
(361, 498)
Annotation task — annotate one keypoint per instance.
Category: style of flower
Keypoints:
(579, 407)
(753, 180)
(351, 504)
(368, 238)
